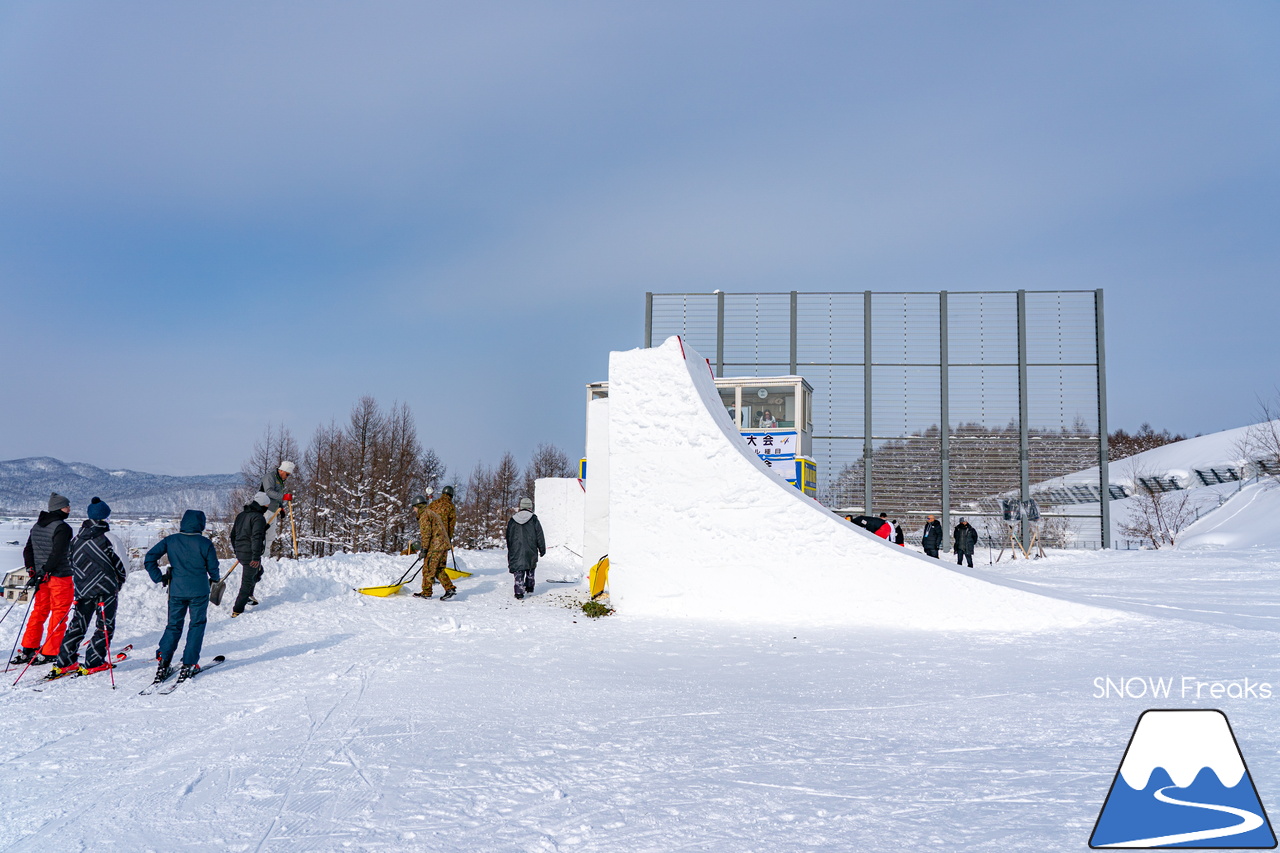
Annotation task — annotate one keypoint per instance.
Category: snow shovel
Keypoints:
(599, 577)
(216, 589)
(455, 572)
(390, 589)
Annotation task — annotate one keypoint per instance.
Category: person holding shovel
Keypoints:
(273, 486)
(435, 550)
(249, 541)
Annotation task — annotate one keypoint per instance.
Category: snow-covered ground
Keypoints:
(343, 722)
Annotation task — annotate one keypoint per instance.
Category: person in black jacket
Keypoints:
(965, 539)
(47, 557)
(932, 539)
(249, 541)
(899, 537)
(525, 544)
(99, 573)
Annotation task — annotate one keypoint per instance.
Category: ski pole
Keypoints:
(6, 613)
(106, 639)
(31, 595)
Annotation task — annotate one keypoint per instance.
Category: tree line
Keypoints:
(355, 481)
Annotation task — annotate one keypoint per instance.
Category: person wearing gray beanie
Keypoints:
(525, 544)
(47, 558)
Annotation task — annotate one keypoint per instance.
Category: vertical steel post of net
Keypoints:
(648, 320)
(944, 417)
(719, 333)
(867, 447)
(1024, 450)
(1104, 470)
(795, 328)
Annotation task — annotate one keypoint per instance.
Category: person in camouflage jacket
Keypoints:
(443, 507)
(435, 550)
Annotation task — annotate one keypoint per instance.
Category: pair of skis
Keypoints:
(165, 688)
(119, 656)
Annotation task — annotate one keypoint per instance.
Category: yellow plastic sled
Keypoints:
(381, 591)
(599, 576)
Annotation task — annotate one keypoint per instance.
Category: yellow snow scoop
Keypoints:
(381, 591)
(390, 589)
(455, 572)
(599, 576)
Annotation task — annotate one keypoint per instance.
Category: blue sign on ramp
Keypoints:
(1183, 784)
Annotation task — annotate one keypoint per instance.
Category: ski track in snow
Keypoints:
(343, 722)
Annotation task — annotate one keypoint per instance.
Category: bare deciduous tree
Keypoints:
(1157, 517)
(1260, 447)
(548, 461)
(353, 483)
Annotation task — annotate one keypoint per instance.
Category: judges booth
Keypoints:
(775, 416)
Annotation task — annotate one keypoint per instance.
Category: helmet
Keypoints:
(417, 500)
(447, 490)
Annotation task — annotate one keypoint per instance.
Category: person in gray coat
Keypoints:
(525, 544)
(273, 486)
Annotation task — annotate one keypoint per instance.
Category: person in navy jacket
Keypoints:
(193, 566)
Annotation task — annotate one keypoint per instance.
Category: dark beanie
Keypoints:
(98, 509)
(57, 502)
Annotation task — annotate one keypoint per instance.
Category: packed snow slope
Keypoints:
(699, 526)
(1250, 518)
(342, 722)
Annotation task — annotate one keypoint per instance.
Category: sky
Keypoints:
(215, 217)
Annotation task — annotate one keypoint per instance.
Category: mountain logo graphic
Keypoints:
(1183, 783)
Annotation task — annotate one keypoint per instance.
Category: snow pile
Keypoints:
(1249, 519)
(699, 526)
(558, 502)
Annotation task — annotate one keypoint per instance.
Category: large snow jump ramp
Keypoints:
(699, 527)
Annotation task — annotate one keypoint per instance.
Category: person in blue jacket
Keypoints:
(193, 565)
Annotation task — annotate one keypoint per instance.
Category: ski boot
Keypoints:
(449, 594)
(43, 659)
(162, 671)
(24, 656)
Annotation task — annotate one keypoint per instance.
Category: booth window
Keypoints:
(769, 407)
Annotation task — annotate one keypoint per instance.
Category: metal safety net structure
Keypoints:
(930, 402)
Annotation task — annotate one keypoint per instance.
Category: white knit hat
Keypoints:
(288, 467)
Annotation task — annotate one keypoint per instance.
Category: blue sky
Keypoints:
(213, 216)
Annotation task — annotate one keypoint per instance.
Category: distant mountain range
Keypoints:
(25, 485)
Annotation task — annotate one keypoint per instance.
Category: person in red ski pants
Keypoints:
(47, 557)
